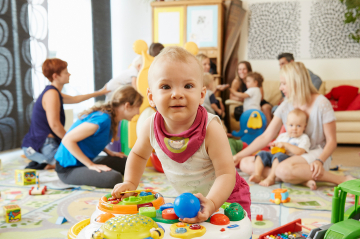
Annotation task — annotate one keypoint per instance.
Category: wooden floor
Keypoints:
(346, 155)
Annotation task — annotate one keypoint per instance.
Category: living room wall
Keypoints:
(339, 68)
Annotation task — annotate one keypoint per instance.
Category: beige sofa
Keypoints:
(347, 122)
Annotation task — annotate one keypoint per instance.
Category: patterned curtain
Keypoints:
(15, 73)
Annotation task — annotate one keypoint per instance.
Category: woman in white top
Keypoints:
(313, 166)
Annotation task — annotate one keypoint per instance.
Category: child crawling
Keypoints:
(190, 143)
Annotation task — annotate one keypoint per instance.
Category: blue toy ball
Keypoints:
(186, 206)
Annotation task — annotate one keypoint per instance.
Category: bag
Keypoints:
(238, 112)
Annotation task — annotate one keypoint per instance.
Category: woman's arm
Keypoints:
(330, 135)
(239, 94)
(260, 142)
(262, 93)
(51, 105)
(68, 99)
(71, 139)
(291, 148)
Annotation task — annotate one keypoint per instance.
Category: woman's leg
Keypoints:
(84, 176)
(296, 170)
(116, 163)
(266, 109)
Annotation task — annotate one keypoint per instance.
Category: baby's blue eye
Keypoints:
(189, 86)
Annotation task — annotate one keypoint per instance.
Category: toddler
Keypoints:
(127, 77)
(294, 141)
(189, 142)
(252, 96)
(211, 104)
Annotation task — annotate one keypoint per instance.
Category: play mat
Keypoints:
(76, 203)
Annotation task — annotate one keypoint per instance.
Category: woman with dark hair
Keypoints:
(48, 117)
(238, 85)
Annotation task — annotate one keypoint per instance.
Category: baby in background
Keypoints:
(211, 104)
(252, 96)
(294, 141)
(185, 138)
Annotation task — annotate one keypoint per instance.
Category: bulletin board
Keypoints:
(202, 25)
(169, 26)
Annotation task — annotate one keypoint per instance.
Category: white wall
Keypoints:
(327, 69)
(130, 21)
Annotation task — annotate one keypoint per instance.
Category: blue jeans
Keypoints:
(267, 158)
(46, 154)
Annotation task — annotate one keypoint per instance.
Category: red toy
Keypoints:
(259, 217)
(294, 226)
(156, 162)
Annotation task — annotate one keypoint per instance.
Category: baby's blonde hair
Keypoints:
(174, 54)
(298, 81)
(201, 57)
(299, 113)
(208, 78)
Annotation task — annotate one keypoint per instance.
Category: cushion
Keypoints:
(344, 95)
(355, 104)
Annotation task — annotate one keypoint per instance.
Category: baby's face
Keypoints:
(295, 125)
(176, 89)
(250, 82)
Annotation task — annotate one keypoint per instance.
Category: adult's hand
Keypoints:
(317, 169)
(99, 167)
(237, 158)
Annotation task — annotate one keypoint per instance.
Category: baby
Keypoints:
(189, 142)
(252, 96)
(211, 104)
(294, 141)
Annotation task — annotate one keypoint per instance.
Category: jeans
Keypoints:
(267, 158)
(46, 154)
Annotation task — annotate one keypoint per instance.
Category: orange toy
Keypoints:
(279, 195)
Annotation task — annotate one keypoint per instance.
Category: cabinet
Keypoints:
(199, 21)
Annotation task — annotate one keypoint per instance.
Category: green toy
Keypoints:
(235, 212)
(236, 145)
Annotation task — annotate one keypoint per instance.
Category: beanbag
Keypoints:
(343, 95)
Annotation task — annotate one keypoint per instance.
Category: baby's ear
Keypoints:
(203, 93)
(150, 98)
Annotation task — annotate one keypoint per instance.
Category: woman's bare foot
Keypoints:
(267, 182)
(311, 184)
(348, 178)
(49, 167)
(255, 178)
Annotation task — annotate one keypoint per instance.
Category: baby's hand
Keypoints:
(272, 144)
(122, 187)
(280, 145)
(207, 208)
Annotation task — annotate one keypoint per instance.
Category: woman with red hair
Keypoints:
(48, 118)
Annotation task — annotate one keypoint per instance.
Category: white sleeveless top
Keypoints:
(196, 175)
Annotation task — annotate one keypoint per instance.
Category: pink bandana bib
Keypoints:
(180, 147)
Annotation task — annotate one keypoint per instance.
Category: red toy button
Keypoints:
(195, 227)
(169, 214)
(259, 217)
(219, 219)
(222, 229)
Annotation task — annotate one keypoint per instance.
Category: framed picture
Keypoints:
(202, 25)
(169, 26)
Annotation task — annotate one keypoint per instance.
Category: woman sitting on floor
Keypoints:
(239, 85)
(313, 166)
(48, 117)
(77, 157)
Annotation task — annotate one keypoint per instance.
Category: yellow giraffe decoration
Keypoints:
(140, 47)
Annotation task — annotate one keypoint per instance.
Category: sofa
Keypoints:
(347, 122)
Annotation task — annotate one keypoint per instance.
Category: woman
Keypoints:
(238, 84)
(48, 117)
(313, 166)
(77, 160)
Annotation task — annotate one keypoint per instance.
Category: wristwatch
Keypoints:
(320, 161)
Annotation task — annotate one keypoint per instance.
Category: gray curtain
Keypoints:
(15, 73)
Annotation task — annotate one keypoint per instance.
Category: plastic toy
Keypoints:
(235, 212)
(259, 217)
(169, 214)
(37, 190)
(60, 220)
(292, 227)
(99, 225)
(219, 219)
(279, 195)
(156, 163)
(252, 125)
(186, 205)
(275, 150)
(186, 231)
(129, 227)
(25, 176)
(12, 213)
(147, 211)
